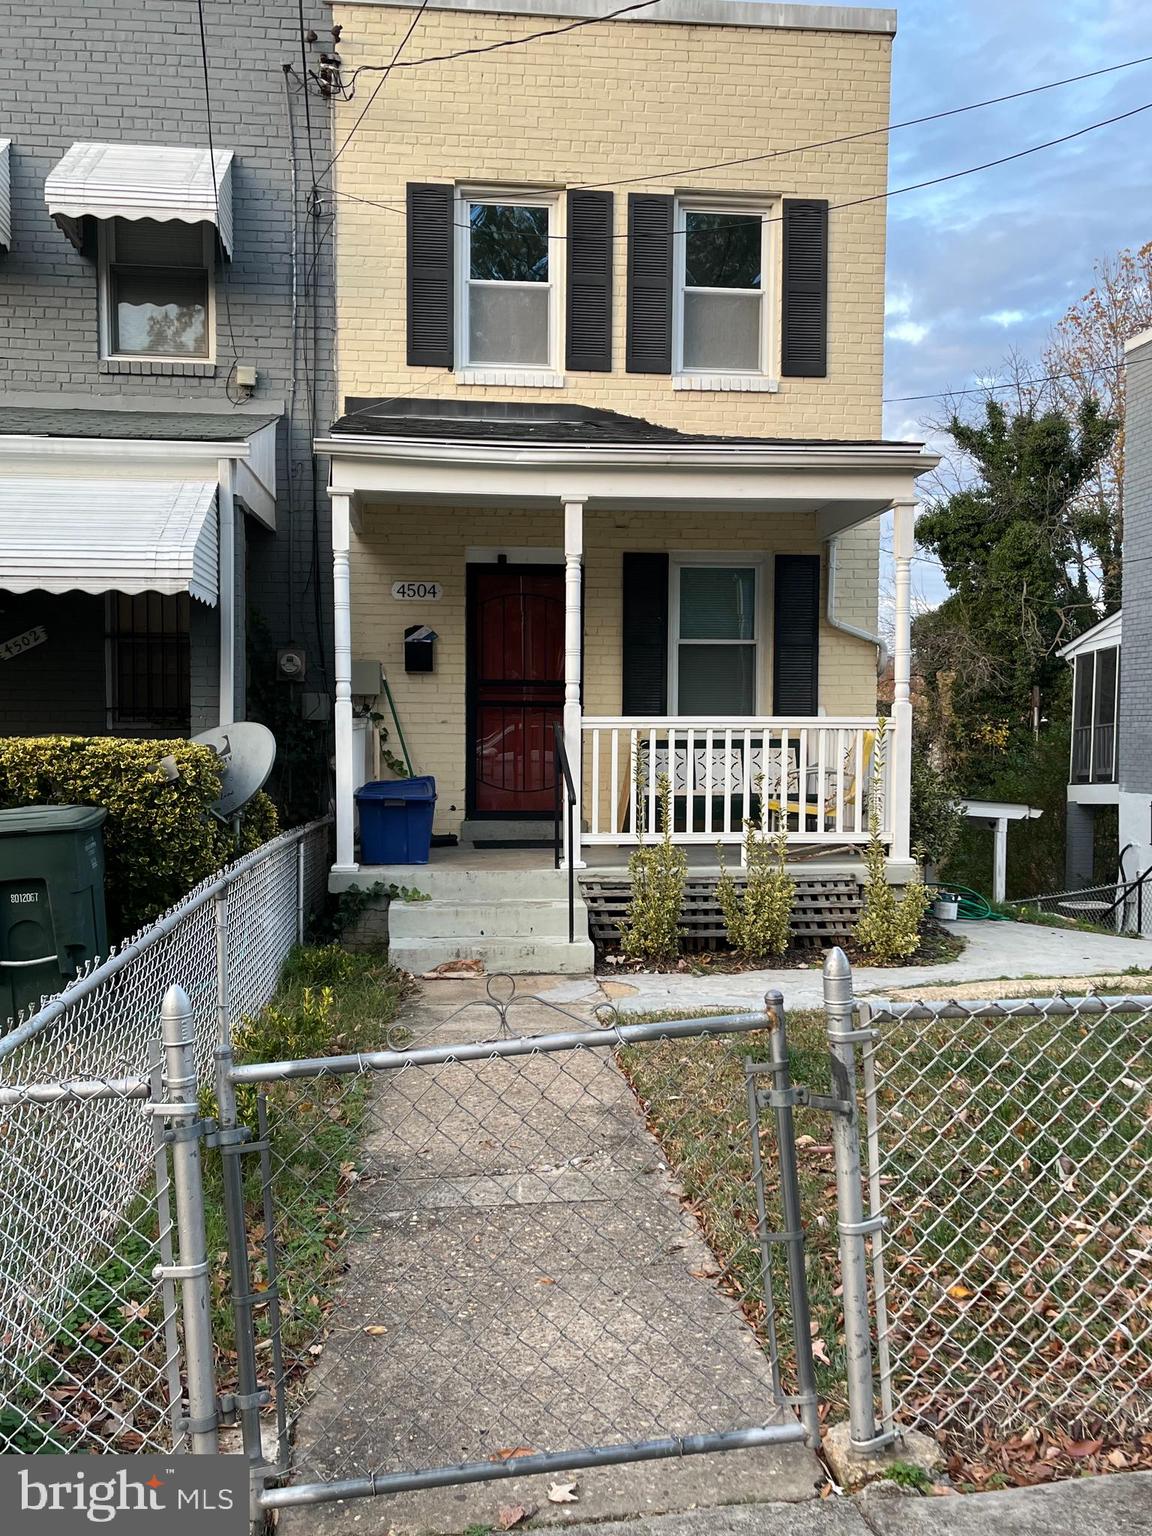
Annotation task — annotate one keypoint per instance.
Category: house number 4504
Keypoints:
(417, 591)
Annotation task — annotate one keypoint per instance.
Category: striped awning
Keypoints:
(96, 535)
(141, 181)
(5, 195)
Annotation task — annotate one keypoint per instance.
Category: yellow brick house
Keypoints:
(610, 294)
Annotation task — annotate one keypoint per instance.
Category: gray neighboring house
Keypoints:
(1111, 761)
(166, 321)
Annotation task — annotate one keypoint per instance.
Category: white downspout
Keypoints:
(830, 604)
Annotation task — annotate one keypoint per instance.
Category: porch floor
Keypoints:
(467, 859)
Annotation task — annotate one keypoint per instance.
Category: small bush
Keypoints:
(758, 920)
(160, 838)
(657, 872)
(889, 926)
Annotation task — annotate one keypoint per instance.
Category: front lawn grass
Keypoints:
(1015, 1157)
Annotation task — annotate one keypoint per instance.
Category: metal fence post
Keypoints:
(854, 1227)
(806, 1399)
(300, 889)
(178, 1029)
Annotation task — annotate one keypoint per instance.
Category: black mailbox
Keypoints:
(419, 648)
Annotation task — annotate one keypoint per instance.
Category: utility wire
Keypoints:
(867, 133)
(987, 389)
(855, 202)
(508, 42)
(380, 84)
(216, 201)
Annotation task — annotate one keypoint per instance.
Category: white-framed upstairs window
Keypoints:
(508, 286)
(156, 290)
(715, 629)
(723, 310)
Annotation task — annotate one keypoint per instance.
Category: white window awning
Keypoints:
(5, 195)
(141, 181)
(93, 535)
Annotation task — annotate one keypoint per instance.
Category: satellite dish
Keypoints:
(246, 752)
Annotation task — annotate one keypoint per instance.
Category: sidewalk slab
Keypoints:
(522, 1273)
(1117, 1505)
(820, 1517)
(994, 950)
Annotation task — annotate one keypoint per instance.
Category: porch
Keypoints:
(683, 607)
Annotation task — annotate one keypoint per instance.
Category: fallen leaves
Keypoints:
(563, 1493)
(374, 1330)
(509, 1453)
(511, 1515)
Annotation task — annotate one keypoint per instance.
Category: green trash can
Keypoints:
(52, 918)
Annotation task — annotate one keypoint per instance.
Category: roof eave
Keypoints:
(910, 457)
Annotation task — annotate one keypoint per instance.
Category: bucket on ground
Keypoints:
(396, 820)
(946, 907)
(52, 918)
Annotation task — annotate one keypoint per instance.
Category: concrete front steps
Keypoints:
(515, 921)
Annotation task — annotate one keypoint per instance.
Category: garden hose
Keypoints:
(973, 908)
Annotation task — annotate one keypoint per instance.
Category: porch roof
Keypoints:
(512, 453)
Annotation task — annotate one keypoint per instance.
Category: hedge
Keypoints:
(160, 838)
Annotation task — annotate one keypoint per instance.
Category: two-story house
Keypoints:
(1110, 771)
(165, 327)
(610, 314)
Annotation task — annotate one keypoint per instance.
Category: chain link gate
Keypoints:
(515, 1248)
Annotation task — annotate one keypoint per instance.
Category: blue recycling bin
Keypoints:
(396, 820)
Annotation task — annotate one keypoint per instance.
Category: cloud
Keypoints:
(907, 330)
(991, 261)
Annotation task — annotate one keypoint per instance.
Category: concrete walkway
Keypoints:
(1108, 1506)
(994, 951)
(523, 1275)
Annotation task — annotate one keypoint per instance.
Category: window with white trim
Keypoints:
(722, 318)
(715, 638)
(508, 284)
(156, 289)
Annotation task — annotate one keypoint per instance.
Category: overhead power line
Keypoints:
(873, 197)
(987, 389)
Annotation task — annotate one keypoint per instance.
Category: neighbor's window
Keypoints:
(721, 291)
(149, 678)
(508, 290)
(156, 288)
(714, 644)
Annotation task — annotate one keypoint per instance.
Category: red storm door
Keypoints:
(516, 655)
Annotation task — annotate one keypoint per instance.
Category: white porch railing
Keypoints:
(813, 776)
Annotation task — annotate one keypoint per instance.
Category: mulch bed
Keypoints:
(937, 947)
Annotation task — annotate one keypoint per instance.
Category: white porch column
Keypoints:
(900, 779)
(573, 654)
(1000, 858)
(342, 626)
(225, 501)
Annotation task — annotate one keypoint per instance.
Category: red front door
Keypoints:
(516, 640)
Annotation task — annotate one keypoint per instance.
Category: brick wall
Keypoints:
(398, 544)
(108, 70)
(620, 99)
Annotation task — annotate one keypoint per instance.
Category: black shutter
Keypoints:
(796, 636)
(589, 328)
(649, 347)
(430, 298)
(804, 325)
(645, 626)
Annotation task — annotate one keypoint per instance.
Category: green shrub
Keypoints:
(160, 838)
(758, 919)
(888, 929)
(937, 818)
(657, 872)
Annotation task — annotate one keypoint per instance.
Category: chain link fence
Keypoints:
(511, 1274)
(87, 1333)
(1010, 1149)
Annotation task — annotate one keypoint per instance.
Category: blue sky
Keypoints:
(990, 262)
